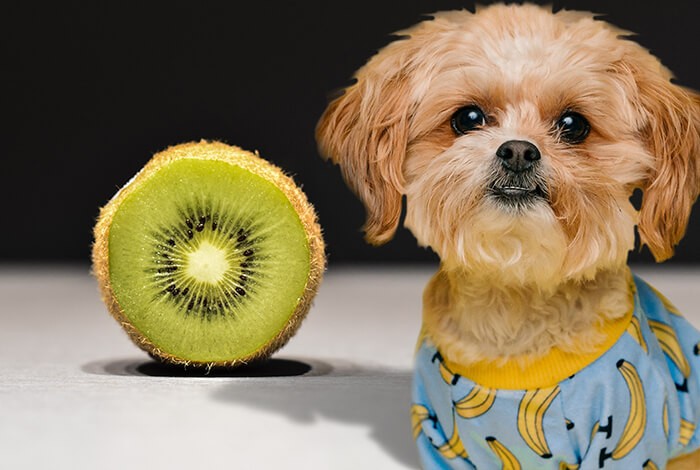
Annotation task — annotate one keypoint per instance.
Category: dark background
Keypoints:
(91, 91)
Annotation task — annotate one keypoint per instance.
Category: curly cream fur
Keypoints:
(479, 318)
(516, 282)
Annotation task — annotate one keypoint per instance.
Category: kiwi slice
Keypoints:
(210, 256)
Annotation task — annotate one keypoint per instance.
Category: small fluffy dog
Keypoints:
(518, 136)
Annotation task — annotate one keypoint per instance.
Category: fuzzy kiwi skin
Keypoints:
(205, 150)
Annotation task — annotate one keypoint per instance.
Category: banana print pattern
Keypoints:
(634, 407)
(476, 403)
(637, 419)
(450, 449)
(635, 331)
(686, 432)
(419, 413)
(670, 346)
(594, 430)
(668, 305)
(445, 372)
(454, 447)
(566, 466)
(508, 460)
(650, 465)
(531, 413)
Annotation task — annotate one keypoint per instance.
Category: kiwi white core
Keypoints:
(207, 263)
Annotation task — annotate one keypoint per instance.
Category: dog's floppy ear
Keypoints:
(672, 132)
(365, 131)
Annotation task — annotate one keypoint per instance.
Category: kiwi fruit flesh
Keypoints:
(209, 256)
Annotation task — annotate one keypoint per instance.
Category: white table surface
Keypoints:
(75, 394)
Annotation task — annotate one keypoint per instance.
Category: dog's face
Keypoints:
(518, 137)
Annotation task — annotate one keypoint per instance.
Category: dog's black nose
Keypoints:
(518, 155)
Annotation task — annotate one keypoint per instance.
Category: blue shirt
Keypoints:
(634, 407)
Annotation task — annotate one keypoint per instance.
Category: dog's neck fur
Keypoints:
(471, 318)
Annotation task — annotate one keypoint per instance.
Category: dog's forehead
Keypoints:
(517, 42)
(507, 54)
(513, 57)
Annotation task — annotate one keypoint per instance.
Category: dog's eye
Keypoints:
(573, 127)
(467, 119)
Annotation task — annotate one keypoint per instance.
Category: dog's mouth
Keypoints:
(518, 194)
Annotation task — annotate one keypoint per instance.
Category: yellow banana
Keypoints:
(454, 447)
(594, 430)
(477, 402)
(686, 432)
(635, 331)
(597, 428)
(531, 411)
(649, 465)
(446, 374)
(665, 419)
(568, 466)
(637, 420)
(419, 413)
(670, 346)
(667, 303)
(508, 460)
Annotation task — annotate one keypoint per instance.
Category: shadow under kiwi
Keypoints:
(306, 390)
(374, 397)
(275, 367)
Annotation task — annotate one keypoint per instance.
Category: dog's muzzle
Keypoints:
(517, 182)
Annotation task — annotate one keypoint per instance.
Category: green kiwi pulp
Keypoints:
(213, 256)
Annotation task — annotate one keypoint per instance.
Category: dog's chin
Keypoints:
(511, 236)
